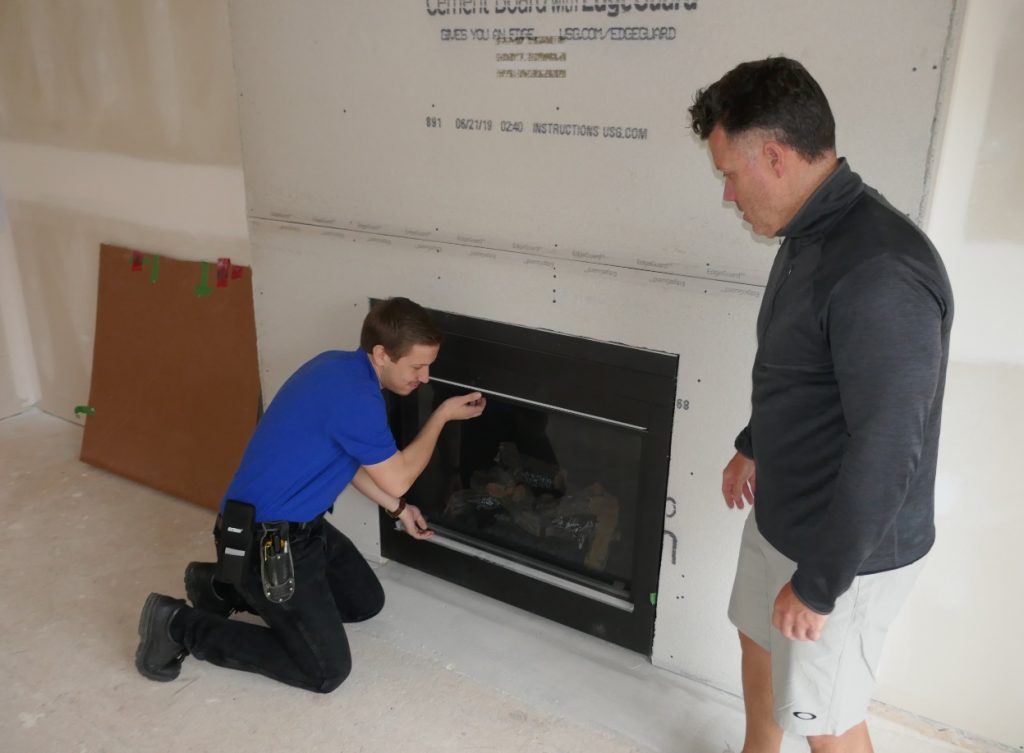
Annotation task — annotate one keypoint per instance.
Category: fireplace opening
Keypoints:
(553, 486)
(553, 499)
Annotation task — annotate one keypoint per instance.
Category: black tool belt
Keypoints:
(238, 536)
(234, 534)
(277, 571)
(301, 529)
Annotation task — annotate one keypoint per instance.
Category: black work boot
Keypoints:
(200, 589)
(159, 656)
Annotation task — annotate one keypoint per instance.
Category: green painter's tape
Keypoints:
(203, 289)
(654, 598)
(154, 270)
(86, 409)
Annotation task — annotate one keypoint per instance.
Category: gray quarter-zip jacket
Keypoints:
(853, 340)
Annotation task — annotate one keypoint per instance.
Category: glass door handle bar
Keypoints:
(536, 404)
(518, 567)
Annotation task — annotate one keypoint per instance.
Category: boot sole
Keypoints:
(145, 637)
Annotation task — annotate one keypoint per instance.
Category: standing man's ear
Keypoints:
(379, 354)
(775, 154)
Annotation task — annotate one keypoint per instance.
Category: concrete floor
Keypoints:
(441, 669)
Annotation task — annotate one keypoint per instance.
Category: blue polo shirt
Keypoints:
(325, 421)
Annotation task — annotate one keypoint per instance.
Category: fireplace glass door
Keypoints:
(554, 488)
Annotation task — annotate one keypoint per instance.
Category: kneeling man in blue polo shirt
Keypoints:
(326, 427)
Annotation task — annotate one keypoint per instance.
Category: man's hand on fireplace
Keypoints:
(414, 524)
(462, 407)
(739, 481)
(396, 475)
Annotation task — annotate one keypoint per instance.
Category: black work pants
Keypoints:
(304, 642)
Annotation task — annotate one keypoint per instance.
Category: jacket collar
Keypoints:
(827, 204)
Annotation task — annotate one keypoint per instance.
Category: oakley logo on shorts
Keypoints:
(806, 716)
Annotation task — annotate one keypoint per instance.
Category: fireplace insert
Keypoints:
(553, 500)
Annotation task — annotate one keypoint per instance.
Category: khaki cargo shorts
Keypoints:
(820, 687)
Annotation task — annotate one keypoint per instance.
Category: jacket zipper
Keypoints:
(775, 296)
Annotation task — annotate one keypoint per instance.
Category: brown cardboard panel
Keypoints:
(175, 379)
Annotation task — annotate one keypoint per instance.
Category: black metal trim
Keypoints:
(618, 382)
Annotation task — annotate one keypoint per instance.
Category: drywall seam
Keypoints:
(947, 75)
(14, 317)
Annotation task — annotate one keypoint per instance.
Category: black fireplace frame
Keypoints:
(623, 384)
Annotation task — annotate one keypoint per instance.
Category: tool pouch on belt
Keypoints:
(234, 536)
(276, 568)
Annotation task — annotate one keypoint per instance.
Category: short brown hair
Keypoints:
(398, 324)
(777, 95)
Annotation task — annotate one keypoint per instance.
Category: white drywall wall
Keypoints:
(354, 192)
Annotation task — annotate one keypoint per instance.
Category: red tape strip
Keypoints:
(223, 272)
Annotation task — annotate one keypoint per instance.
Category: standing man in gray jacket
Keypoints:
(840, 450)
